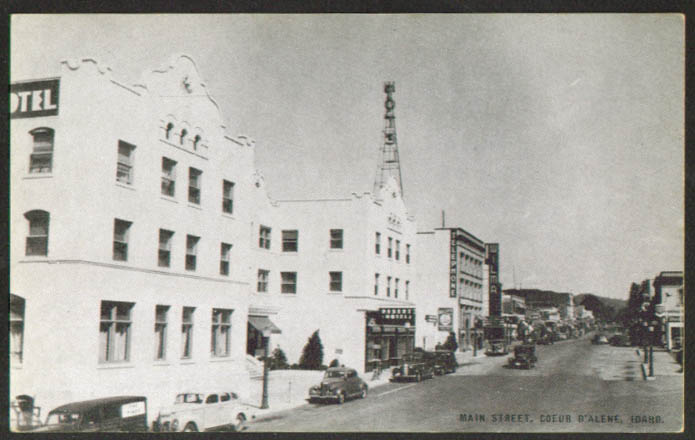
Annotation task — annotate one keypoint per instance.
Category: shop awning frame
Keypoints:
(263, 324)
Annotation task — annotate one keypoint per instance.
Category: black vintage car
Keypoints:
(442, 361)
(109, 414)
(524, 356)
(337, 385)
(413, 366)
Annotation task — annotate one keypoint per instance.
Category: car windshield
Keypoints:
(63, 418)
(189, 398)
(333, 374)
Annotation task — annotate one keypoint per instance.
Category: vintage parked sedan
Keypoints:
(204, 412)
(414, 366)
(338, 384)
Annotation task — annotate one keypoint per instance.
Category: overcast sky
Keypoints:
(559, 136)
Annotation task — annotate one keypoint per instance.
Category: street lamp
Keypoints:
(644, 340)
(266, 339)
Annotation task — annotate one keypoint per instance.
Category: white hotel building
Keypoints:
(146, 255)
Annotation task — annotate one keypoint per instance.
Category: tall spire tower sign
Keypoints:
(389, 163)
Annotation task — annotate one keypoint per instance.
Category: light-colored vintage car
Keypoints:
(197, 411)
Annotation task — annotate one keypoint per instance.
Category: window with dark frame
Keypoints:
(336, 238)
(221, 332)
(168, 177)
(336, 284)
(264, 237)
(187, 332)
(114, 331)
(407, 290)
(377, 244)
(227, 197)
(263, 280)
(160, 332)
(17, 305)
(289, 282)
(191, 251)
(388, 286)
(290, 240)
(121, 230)
(389, 251)
(398, 249)
(194, 177)
(407, 254)
(376, 284)
(164, 252)
(395, 288)
(124, 168)
(37, 240)
(41, 158)
(225, 250)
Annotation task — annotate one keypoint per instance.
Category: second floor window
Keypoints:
(160, 332)
(194, 177)
(124, 169)
(164, 255)
(398, 249)
(221, 332)
(389, 251)
(388, 286)
(289, 282)
(168, 177)
(121, 231)
(37, 240)
(263, 276)
(336, 283)
(114, 331)
(227, 197)
(264, 237)
(376, 284)
(187, 332)
(225, 250)
(407, 254)
(289, 241)
(395, 288)
(41, 158)
(377, 244)
(336, 238)
(191, 251)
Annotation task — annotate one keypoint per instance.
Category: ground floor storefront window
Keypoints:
(388, 340)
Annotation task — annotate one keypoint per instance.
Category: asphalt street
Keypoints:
(568, 391)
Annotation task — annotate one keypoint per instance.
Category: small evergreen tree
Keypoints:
(278, 361)
(312, 354)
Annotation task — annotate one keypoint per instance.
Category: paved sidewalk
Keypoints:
(664, 364)
(290, 388)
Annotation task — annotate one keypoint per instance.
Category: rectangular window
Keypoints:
(398, 249)
(227, 197)
(225, 249)
(263, 276)
(389, 251)
(124, 169)
(336, 284)
(376, 284)
(289, 241)
(121, 231)
(187, 332)
(407, 254)
(289, 282)
(264, 237)
(164, 257)
(168, 177)
(194, 178)
(377, 244)
(160, 332)
(41, 158)
(336, 238)
(388, 286)
(191, 251)
(16, 329)
(37, 240)
(114, 331)
(221, 332)
(407, 290)
(395, 288)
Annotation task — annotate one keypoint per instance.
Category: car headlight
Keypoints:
(175, 425)
(313, 390)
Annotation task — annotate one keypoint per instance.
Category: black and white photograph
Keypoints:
(347, 223)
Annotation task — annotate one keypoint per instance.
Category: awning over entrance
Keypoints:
(262, 324)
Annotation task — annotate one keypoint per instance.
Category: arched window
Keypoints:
(41, 159)
(196, 139)
(184, 132)
(170, 127)
(37, 240)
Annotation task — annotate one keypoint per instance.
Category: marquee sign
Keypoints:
(452, 265)
(492, 254)
(446, 319)
(396, 316)
(34, 99)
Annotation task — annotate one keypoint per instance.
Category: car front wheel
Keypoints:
(341, 398)
(190, 427)
(238, 425)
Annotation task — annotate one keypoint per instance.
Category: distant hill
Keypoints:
(602, 307)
